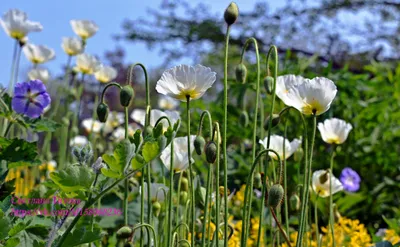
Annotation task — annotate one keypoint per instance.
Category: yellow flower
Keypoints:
(391, 236)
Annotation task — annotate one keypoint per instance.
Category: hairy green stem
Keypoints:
(316, 221)
(225, 123)
(306, 189)
(192, 197)
(217, 193)
(247, 203)
(274, 50)
(331, 217)
(285, 181)
(203, 236)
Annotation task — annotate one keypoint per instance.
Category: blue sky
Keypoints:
(55, 17)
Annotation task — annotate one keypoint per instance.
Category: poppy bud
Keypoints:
(183, 196)
(298, 154)
(336, 213)
(244, 119)
(184, 184)
(275, 195)
(275, 121)
(269, 84)
(156, 208)
(162, 142)
(211, 152)
(102, 112)
(124, 232)
(126, 95)
(231, 13)
(294, 202)
(257, 180)
(148, 131)
(158, 130)
(241, 73)
(199, 144)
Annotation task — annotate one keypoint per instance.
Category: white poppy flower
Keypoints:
(72, 45)
(284, 82)
(78, 141)
(39, 74)
(185, 81)
(276, 144)
(167, 103)
(114, 120)
(139, 116)
(308, 96)
(16, 24)
(158, 192)
(92, 125)
(87, 64)
(334, 130)
(181, 162)
(84, 28)
(38, 53)
(321, 183)
(105, 74)
(119, 133)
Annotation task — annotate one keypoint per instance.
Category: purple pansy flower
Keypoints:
(30, 98)
(350, 179)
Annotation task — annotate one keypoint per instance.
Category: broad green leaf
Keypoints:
(5, 204)
(118, 161)
(137, 162)
(4, 228)
(110, 173)
(81, 236)
(150, 150)
(42, 124)
(12, 242)
(18, 152)
(5, 105)
(73, 178)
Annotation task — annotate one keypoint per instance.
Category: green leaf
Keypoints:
(5, 105)
(42, 124)
(137, 162)
(18, 152)
(73, 178)
(12, 242)
(81, 236)
(117, 162)
(150, 150)
(5, 204)
(4, 228)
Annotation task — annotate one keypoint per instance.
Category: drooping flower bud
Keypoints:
(184, 184)
(148, 131)
(158, 130)
(211, 152)
(298, 154)
(336, 213)
(156, 208)
(162, 142)
(269, 84)
(244, 119)
(199, 144)
(102, 112)
(241, 73)
(275, 195)
(275, 121)
(183, 196)
(257, 180)
(124, 232)
(126, 95)
(294, 202)
(231, 13)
